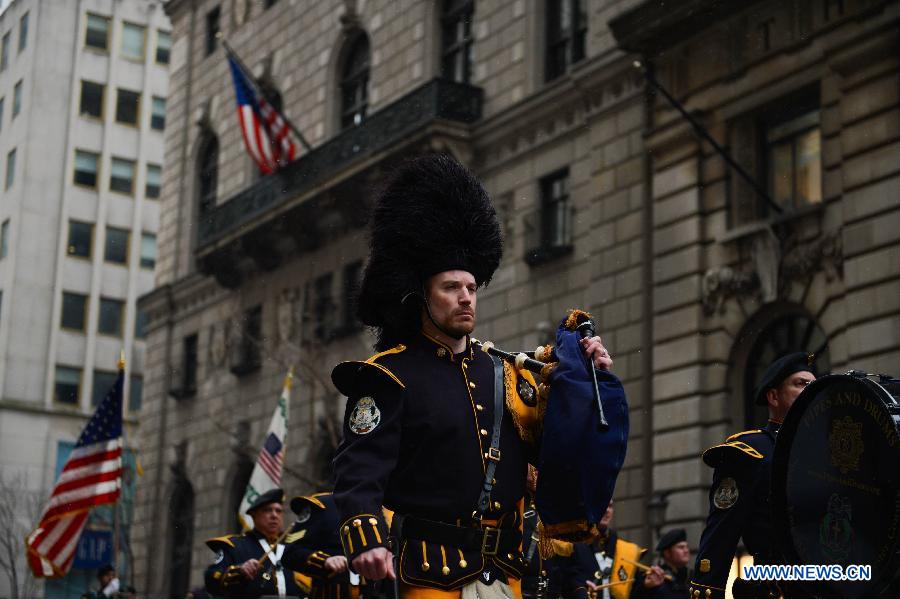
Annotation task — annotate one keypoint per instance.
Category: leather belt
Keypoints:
(488, 540)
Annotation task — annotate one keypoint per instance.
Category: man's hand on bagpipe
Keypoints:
(597, 353)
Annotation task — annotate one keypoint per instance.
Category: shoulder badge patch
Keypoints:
(294, 536)
(727, 494)
(365, 416)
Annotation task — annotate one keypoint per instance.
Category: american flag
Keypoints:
(267, 135)
(266, 473)
(90, 477)
(271, 457)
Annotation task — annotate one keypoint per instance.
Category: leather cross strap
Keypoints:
(493, 452)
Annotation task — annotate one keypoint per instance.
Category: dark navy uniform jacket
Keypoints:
(739, 508)
(416, 431)
(582, 565)
(677, 588)
(312, 540)
(224, 579)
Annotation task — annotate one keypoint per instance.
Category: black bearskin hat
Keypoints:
(431, 215)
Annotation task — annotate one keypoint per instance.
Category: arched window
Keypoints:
(181, 537)
(790, 332)
(456, 40)
(207, 174)
(355, 82)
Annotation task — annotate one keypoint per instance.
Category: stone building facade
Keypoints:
(82, 111)
(607, 200)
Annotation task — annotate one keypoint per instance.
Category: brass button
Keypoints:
(497, 507)
(373, 521)
(441, 352)
(357, 523)
(479, 407)
(346, 530)
(425, 566)
(483, 433)
(445, 570)
(471, 384)
(463, 563)
(708, 593)
(509, 556)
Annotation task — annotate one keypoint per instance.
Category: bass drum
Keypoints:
(836, 482)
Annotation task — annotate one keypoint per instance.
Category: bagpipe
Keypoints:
(584, 431)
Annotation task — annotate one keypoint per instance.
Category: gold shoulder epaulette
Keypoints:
(394, 350)
(312, 499)
(345, 374)
(225, 540)
(717, 455)
(736, 435)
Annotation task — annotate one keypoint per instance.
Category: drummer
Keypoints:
(739, 495)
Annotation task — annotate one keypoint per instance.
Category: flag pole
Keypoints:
(232, 54)
(116, 523)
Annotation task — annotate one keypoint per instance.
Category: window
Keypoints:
(4, 51)
(81, 238)
(116, 250)
(456, 40)
(154, 181)
(140, 324)
(794, 161)
(163, 46)
(74, 311)
(158, 114)
(355, 82)
(135, 393)
(212, 30)
(2, 105)
(66, 385)
(566, 35)
(189, 366)
(148, 250)
(549, 229)
(208, 174)
(121, 176)
(10, 169)
(133, 41)
(110, 321)
(17, 99)
(270, 3)
(97, 33)
(23, 32)
(324, 307)
(4, 239)
(127, 106)
(91, 99)
(103, 384)
(86, 168)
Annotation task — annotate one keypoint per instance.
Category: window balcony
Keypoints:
(326, 191)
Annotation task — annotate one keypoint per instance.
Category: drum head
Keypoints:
(836, 483)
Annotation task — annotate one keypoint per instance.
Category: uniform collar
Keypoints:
(442, 350)
(773, 426)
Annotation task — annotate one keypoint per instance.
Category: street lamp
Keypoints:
(656, 510)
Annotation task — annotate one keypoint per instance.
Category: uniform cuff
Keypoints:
(702, 591)
(233, 576)
(363, 532)
(315, 563)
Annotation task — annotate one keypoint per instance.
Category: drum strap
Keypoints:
(493, 453)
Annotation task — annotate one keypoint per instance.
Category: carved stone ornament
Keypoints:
(218, 345)
(287, 314)
(775, 266)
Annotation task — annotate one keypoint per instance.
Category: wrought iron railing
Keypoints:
(437, 99)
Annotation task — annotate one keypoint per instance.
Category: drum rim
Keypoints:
(780, 459)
